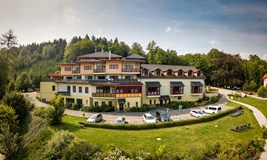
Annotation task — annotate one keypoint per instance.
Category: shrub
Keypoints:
(19, 103)
(262, 91)
(56, 113)
(8, 115)
(104, 108)
(144, 108)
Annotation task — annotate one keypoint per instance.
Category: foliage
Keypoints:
(104, 108)
(8, 141)
(56, 114)
(23, 82)
(19, 103)
(8, 115)
(262, 91)
(253, 86)
(160, 125)
(144, 108)
(11, 86)
(64, 145)
(188, 104)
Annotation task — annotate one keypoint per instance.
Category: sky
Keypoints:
(187, 26)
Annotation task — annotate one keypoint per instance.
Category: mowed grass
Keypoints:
(260, 104)
(176, 139)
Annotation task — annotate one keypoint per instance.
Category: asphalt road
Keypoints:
(131, 117)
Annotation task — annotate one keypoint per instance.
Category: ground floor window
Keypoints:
(136, 104)
(196, 89)
(96, 104)
(110, 103)
(103, 103)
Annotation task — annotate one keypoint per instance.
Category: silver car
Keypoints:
(95, 118)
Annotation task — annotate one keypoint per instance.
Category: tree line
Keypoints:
(27, 65)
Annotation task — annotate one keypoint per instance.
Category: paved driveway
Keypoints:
(131, 117)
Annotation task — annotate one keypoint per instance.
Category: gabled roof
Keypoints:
(167, 67)
(135, 56)
(100, 55)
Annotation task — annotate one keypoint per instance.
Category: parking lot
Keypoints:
(131, 117)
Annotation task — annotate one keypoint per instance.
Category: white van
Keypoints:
(212, 109)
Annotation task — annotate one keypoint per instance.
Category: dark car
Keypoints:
(162, 116)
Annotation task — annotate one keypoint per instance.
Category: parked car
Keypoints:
(212, 109)
(162, 116)
(121, 120)
(197, 113)
(148, 118)
(95, 118)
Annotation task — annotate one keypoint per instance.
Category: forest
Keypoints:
(24, 66)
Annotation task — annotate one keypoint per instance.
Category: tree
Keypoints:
(8, 141)
(262, 91)
(11, 86)
(253, 85)
(8, 39)
(136, 48)
(23, 82)
(55, 114)
(8, 115)
(18, 103)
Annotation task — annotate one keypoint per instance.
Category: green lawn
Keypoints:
(260, 104)
(176, 139)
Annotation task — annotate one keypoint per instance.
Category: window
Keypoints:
(101, 77)
(113, 66)
(128, 104)
(96, 104)
(150, 101)
(128, 77)
(80, 90)
(100, 67)
(154, 101)
(196, 89)
(67, 68)
(136, 104)
(53, 88)
(114, 77)
(68, 88)
(128, 66)
(103, 103)
(180, 73)
(73, 88)
(88, 77)
(87, 67)
(102, 89)
(86, 90)
(179, 97)
(190, 73)
(153, 91)
(177, 90)
(110, 103)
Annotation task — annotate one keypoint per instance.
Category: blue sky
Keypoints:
(187, 26)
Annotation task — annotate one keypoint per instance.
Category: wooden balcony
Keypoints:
(125, 80)
(128, 95)
(76, 72)
(99, 70)
(103, 94)
(130, 70)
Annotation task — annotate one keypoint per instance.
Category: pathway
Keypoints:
(258, 115)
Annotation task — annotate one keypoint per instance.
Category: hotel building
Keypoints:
(103, 78)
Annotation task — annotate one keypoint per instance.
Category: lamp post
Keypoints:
(83, 110)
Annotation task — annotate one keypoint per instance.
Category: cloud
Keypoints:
(214, 43)
(70, 16)
(175, 30)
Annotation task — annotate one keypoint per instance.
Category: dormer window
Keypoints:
(190, 73)
(157, 73)
(169, 73)
(180, 73)
(198, 73)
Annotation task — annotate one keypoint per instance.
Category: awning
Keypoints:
(121, 100)
(196, 84)
(153, 84)
(166, 98)
(177, 84)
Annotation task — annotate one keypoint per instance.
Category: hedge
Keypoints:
(159, 125)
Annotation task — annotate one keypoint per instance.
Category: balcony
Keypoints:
(153, 94)
(99, 70)
(124, 80)
(64, 93)
(130, 70)
(128, 95)
(76, 72)
(103, 94)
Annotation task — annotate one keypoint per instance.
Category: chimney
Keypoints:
(109, 55)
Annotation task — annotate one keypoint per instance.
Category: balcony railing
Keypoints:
(153, 93)
(103, 94)
(124, 80)
(76, 72)
(99, 70)
(130, 70)
(64, 93)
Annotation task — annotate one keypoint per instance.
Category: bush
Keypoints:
(55, 114)
(19, 103)
(104, 108)
(144, 108)
(8, 115)
(160, 125)
(262, 91)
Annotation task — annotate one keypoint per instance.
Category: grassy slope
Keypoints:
(260, 104)
(176, 139)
